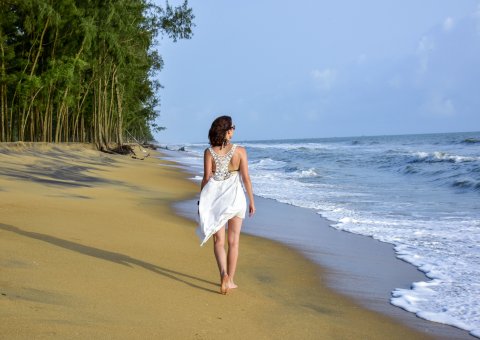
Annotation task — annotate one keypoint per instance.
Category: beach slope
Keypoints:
(90, 248)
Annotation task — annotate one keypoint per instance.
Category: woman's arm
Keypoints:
(207, 168)
(246, 180)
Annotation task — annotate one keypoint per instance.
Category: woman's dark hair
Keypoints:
(218, 131)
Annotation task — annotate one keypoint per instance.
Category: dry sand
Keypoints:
(90, 248)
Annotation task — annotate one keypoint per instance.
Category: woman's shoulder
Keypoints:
(240, 149)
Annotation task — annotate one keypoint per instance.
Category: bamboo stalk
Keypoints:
(46, 117)
(39, 47)
(120, 113)
(60, 117)
(112, 98)
(2, 93)
(25, 119)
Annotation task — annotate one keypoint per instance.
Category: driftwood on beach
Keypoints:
(136, 151)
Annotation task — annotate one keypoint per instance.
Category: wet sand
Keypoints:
(91, 248)
(358, 266)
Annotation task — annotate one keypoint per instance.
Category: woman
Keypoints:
(222, 198)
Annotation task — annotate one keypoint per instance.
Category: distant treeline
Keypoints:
(82, 70)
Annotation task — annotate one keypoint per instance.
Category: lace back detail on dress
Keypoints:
(221, 164)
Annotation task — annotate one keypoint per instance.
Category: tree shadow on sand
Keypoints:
(110, 256)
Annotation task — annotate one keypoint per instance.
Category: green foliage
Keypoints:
(83, 70)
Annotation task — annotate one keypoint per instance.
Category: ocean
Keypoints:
(420, 193)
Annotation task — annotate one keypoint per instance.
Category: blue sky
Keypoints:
(323, 69)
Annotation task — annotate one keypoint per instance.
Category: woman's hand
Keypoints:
(251, 209)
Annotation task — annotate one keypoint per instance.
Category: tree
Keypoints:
(82, 70)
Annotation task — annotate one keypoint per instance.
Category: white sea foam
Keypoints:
(453, 267)
(267, 164)
(454, 158)
(422, 293)
(421, 154)
(307, 173)
(438, 156)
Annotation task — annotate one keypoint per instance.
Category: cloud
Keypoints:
(424, 48)
(325, 79)
(439, 106)
(448, 24)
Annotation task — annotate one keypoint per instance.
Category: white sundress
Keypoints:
(221, 199)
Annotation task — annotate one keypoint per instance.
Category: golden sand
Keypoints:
(90, 248)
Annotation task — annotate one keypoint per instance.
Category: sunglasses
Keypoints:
(233, 127)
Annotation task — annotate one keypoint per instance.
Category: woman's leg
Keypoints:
(234, 226)
(219, 250)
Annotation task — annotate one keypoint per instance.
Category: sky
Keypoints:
(314, 68)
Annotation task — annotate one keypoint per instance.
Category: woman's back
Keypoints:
(231, 156)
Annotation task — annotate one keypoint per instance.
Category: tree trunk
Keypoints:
(120, 113)
(39, 47)
(60, 117)
(3, 90)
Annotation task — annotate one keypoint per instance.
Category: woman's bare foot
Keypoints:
(224, 286)
(231, 284)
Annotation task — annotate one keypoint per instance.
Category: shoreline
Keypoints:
(358, 266)
(91, 247)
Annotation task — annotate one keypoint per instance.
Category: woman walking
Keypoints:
(222, 198)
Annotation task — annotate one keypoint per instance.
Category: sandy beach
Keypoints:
(91, 248)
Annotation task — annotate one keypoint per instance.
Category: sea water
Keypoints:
(418, 192)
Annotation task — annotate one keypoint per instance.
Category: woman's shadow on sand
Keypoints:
(110, 256)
